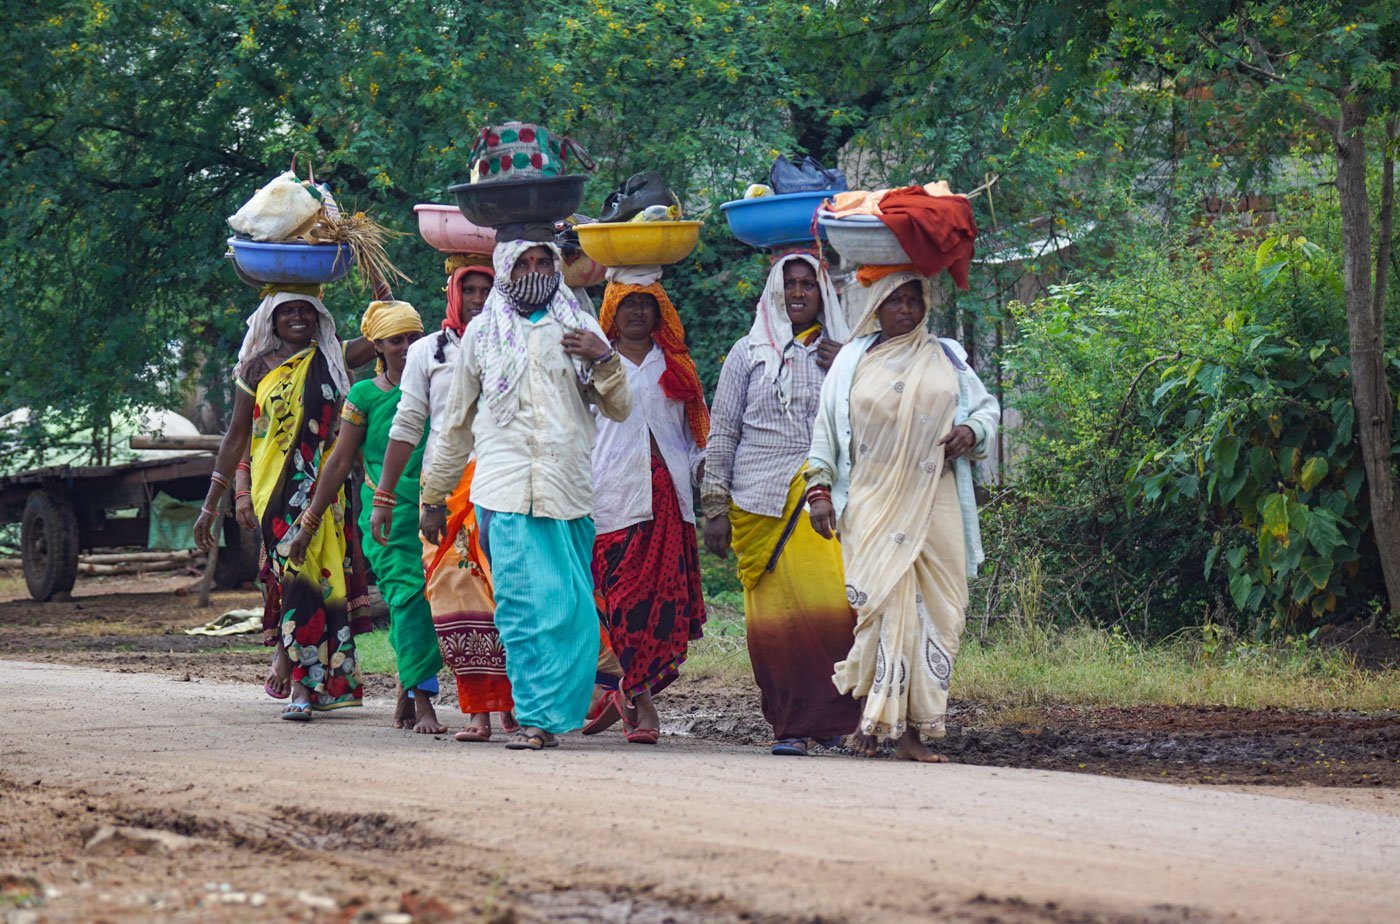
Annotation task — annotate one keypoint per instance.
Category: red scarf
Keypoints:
(454, 321)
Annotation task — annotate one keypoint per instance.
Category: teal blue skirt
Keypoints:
(542, 576)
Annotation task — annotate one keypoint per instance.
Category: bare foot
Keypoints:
(279, 675)
(427, 723)
(912, 747)
(403, 708)
(864, 745)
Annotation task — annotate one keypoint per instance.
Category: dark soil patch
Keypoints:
(1173, 743)
(339, 831)
(1371, 646)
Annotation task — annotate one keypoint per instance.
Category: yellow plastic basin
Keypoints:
(639, 243)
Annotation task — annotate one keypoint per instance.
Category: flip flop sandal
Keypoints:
(609, 711)
(790, 747)
(271, 691)
(297, 712)
(508, 723)
(644, 736)
(834, 741)
(474, 733)
(551, 740)
(523, 742)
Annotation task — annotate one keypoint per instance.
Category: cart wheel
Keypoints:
(238, 559)
(49, 540)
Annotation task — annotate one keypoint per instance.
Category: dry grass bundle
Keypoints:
(366, 238)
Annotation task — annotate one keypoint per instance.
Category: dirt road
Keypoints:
(344, 816)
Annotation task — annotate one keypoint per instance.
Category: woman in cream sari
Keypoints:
(900, 413)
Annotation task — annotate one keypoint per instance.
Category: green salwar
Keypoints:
(398, 566)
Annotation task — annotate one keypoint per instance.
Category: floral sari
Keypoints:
(317, 608)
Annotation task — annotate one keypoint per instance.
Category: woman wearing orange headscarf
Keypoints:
(646, 564)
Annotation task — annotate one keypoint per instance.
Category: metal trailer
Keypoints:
(66, 509)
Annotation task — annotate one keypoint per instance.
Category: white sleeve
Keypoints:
(453, 444)
(411, 418)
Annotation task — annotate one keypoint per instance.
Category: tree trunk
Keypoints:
(1369, 388)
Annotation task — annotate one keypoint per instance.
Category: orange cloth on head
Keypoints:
(936, 231)
(868, 275)
(680, 381)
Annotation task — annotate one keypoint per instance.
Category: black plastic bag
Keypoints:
(637, 192)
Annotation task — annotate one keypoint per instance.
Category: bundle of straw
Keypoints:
(366, 238)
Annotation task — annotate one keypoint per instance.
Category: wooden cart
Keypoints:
(65, 509)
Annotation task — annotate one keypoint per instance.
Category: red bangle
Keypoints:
(244, 466)
(238, 494)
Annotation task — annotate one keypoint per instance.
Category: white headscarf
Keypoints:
(262, 338)
(771, 336)
(882, 289)
(501, 333)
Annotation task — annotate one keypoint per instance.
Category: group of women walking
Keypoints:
(529, 474)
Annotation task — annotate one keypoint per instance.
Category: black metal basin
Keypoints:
(505, 202)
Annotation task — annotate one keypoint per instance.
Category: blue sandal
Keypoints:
(297, 712)
(790, 747)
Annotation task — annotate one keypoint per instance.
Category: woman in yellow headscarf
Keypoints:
(365, 419)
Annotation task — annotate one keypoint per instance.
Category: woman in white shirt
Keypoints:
(646, 563)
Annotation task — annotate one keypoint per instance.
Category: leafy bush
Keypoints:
(1187, 451)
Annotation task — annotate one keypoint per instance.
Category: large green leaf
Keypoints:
(1322, 531)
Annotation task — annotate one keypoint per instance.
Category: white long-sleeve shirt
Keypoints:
(622, 457)
(540, 462)
(424, 390)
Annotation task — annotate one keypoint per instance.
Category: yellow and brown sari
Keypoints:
(797, 619)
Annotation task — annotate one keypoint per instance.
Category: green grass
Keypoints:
(1093, 667)
(376, 654)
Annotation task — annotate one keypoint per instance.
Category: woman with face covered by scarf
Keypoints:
(798, 623)
(458, 579)
(529, 368)
(646, 564)
(901, 413)
(290, 378)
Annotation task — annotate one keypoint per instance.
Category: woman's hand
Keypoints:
(381, 520)
(585, 343)
(296, 552)
(204, 531)
(823, 517)
(826, 352)
(244, 513)
(958, 441)
(433, 524)
(717, 535)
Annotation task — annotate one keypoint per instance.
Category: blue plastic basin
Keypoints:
(768, 221)
(292, 264)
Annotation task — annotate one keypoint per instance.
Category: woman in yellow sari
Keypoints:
(290, 378)
(795, 613)
(901, 412)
